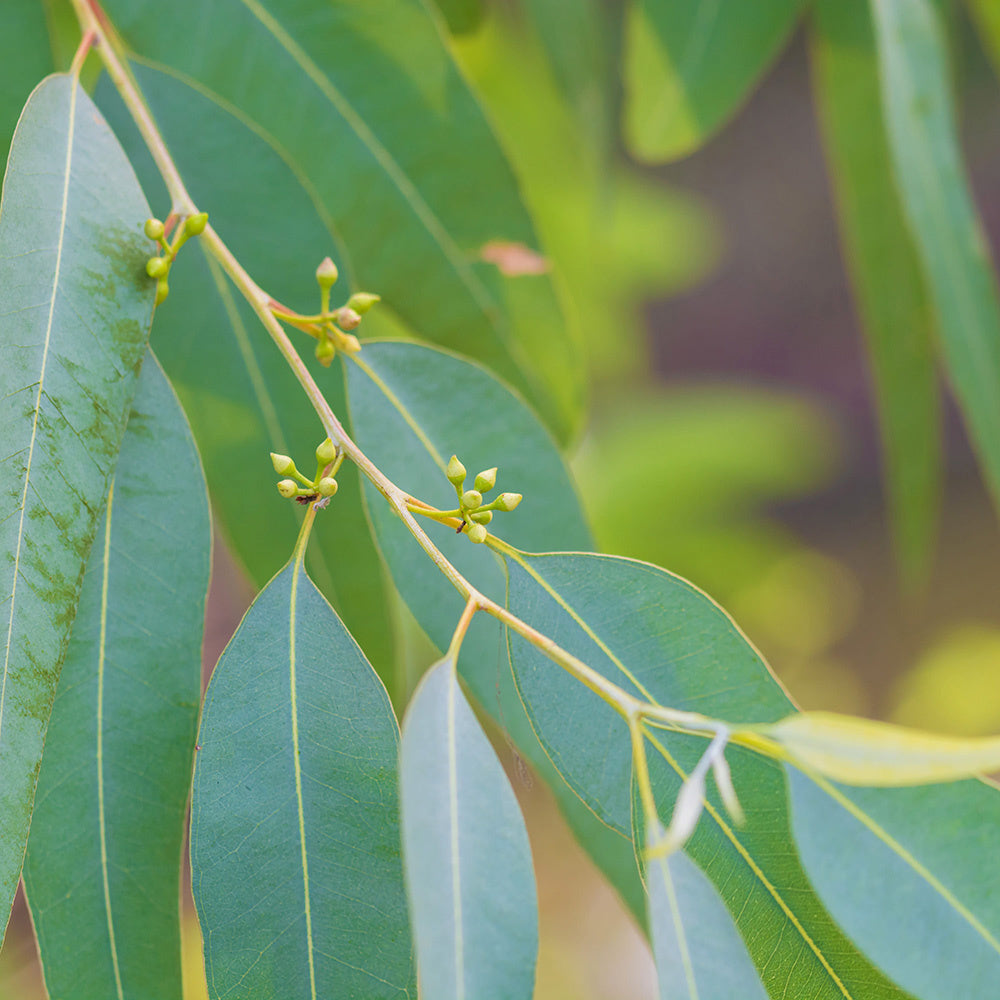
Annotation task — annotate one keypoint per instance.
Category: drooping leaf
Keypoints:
(865, 752)
(660, 638)
(920, 121)
(389, 142)
(465, 850)
(690, 65)
(103, 866)
(295, 856)
(75, 305)
(885, 271)
(241, 397)
(910, 874)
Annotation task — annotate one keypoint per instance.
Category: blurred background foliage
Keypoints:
(678, 171)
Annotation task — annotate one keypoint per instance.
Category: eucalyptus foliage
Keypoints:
(416, 407)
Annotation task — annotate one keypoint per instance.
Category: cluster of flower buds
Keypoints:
(321, 487)
(476, 514)
(334, 329)
(158, 266)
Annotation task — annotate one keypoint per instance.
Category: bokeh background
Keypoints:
(732, 439)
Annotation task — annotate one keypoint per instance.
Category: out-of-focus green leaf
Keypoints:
(911, 876)
(658, 637)
(103, 867)
(615, 239)
(699, 953)
(295, 856)
(465, 850)
(690, 65)
(917, 104)
(363, 101)
(75, 305)
(461, 16)
(987, 16)
(885, 271)
(25, 57)
(240, 396)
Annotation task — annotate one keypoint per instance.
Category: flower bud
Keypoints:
(157, 267)
(486, 480)
(482, 517)
(162, 290)
(361, 302)
(327, 486)
(471, 500)
(153, 229)
(348, 319)
(287, 488)
(194, 225)
(326, 452)
(455, 472)
(508, 501)
(327, 273)
(477, 534)
(325, 352)
(283, 465)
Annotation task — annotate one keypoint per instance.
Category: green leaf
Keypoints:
(461, 16)
(917, 104)
(911, 876)
(699, 953)
(885, 272)
(241, 398)
(25, 57)
(987, 17)
(658, 636)
(103, 867)
(75, 303)
(295, 854)
(465, 850)
(689, 66)
(389, 142)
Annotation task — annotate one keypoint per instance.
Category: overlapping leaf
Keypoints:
(660, 638)
(476, 933)
(75, 306)
(295, 856)
(690, 65)
(920, 123)
(888, 283)
(241, 398)
(364, 102)
(103, 865)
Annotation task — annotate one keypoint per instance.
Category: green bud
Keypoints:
(486, 480)
(288, 489)
(194, 225)
(361, 302)
(349, 343)
(325, 352)
(162, 290)
(455, 472)
(348, 319)
(508, 501)
(471, 500)
(283, 465)
(157, 267)
(327, 486)
(327, 273)
(477, 534)
(326, 452)
(482, 517)
(153, 229)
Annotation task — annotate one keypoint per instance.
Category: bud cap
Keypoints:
(348, 319)
(326, 452)
(455, 472)
(194, 225)
(486, 480)
(327, 486)
(157, 267)
(508, 501)
(472, 500)
(327, 273)
(361, 302)
(283, 465)
(153, 229)
(287, 488)
(477, 534)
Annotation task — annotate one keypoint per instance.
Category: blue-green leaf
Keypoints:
(103, 867)
(465, 851)
(75, 306)
(295, 848)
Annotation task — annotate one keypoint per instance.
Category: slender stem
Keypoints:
(471, 607)
(91, 19)
(80, 56)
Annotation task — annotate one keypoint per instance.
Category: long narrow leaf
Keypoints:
(104, 857)
(885, 271)
(917, 104)
(466, 852)
(295, 854)
(75, 306)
